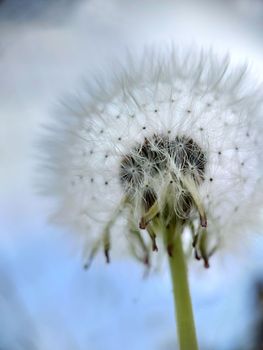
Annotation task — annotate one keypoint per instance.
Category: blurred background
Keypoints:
(47, 300)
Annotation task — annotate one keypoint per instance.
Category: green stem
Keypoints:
(182, 299)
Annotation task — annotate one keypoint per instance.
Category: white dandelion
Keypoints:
(171, 145)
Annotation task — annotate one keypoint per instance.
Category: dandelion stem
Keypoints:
(183, 307)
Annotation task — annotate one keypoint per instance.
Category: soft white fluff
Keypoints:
(196, 95)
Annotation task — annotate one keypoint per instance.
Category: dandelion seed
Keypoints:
(154, 180)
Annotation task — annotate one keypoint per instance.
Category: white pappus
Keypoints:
(169, 137)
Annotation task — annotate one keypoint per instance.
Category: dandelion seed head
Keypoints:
(167, 129)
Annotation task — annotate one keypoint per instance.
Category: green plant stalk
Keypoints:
(183, 307)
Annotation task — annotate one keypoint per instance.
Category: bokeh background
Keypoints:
(47, 300)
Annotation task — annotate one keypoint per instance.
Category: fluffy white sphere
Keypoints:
(167, 96)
